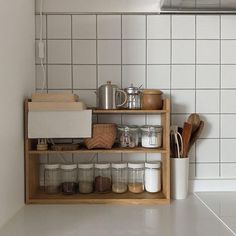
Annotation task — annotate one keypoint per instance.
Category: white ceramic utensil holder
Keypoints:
(179, 178)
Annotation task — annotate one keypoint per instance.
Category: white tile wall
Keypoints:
(192, 58)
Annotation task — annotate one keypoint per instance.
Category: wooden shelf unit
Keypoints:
(35, 195)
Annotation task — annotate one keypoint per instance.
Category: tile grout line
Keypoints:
(213, 213)
(72, 68)
(46, 19)
(121, 68)
(195, 93)
(97, 120)
(146, 67)
(220, 108)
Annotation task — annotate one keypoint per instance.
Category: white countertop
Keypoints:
(181, 218)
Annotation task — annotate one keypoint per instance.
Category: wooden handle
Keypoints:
(187, 130)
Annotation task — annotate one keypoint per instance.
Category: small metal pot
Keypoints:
(134, 97)
(109, 96)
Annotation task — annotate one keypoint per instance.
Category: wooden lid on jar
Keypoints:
(152, 91)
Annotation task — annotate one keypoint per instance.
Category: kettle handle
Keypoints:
(126, 97)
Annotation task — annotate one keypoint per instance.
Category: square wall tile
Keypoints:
(84, 26)
(228, 52)
(109, 26)
(134, 157)
(183, 51)
(109, 52)
(191, 154)
(183, 101)
(133, 51)
(228, 98)
(208, 76)
(211, 126)
(207, 101)
(158, 27)
(178, 119)
(208, 52)
(183, 27)
(109, 73)
(38, 26)
(40, 83)
(59, 77)
(158, 76)
(37, 59)
(84, 158)
(133, 75)
(133, 120)
(208, 27)
(183, 76)
(158, 52)
(207, 170)
(228, 27)
(59, 26)
(84, 51)
(153, 120)
(59, 51)
(87, 96)
(228, 170)
(84, 77)
(228, 126)
(109, 119)
(228, 73)
(207, 150)
(133, 27)
(153, 157)
(113, 157)
(228, 150)
(191, 171)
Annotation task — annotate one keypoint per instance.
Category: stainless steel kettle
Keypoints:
(109, 96)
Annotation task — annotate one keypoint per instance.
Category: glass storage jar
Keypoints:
(134, 97)
(102, 180)
(69, 179)
(151, 136)
(136, 177)
(52, 178)
(153, 177)
(128, 136)
(85, 177)
(119, 177)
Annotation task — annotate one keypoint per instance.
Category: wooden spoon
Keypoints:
(196, 134)
(186, 135)
(195, 120)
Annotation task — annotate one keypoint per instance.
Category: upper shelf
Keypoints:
(126, 111)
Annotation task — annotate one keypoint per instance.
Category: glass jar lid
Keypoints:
(151, 128)
(51, 166)
(153, 165)
(68, 166)
(132, 90)
(128, 128)
(85, 165)
(102, 165)
(120, 165)
(136, 165)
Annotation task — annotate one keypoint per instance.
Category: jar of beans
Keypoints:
(102, 180)
(69, 179)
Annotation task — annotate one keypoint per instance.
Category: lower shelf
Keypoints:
(97, 198)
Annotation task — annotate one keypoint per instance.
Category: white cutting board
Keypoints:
(60, 124)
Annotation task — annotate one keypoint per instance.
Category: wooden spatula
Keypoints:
(196, 134)
(186, 135)
(194, 120)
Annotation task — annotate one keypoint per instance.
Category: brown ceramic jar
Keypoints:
(151, 99)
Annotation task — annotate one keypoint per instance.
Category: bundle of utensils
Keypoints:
(183, 139)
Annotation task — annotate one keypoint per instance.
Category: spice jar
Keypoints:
(151, 99)
(52, 178)
(151, 136)
(153, 177)
(102, 180)
(128, 136)
(136, 177)
(134, 97)
(85, 177)
(119, 177)
(69, 179)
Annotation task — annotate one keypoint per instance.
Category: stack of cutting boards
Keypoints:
(55, 102)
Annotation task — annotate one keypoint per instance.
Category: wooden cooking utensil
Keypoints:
(196, 134)
(194, 120)
(186, 135)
